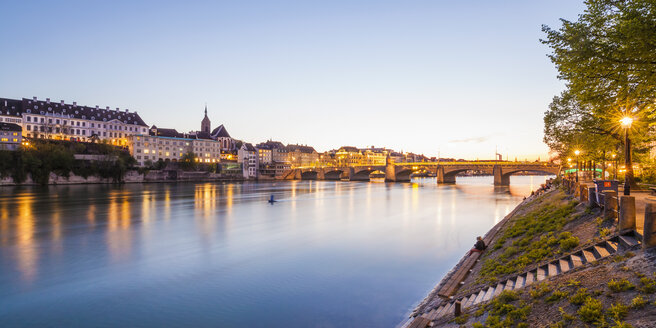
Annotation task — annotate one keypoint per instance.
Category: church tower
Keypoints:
(205, 124)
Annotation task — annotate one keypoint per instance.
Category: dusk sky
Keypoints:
(458, 77)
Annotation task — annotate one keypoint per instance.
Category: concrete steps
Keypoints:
(544, 271)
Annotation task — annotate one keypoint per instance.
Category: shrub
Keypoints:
(618, 311)
(555, 296)
(539, 290)
(638, 302)
(591, 310)
(461, 319)
(579, 297)
(507, 296)
(568, 243)
(648, 285)
(620, 285)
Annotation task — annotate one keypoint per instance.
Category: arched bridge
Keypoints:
(445, 172)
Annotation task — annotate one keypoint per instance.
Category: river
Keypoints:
(327, 254)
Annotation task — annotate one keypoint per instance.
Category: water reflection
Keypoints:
(205, 254)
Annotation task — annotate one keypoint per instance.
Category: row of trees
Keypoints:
(42, 157)
(608, 59)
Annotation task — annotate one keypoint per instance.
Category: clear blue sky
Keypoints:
(456, 76)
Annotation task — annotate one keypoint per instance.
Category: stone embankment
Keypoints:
(565, 257)
(131, 176)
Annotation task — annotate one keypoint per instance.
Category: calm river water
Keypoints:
(328, 254)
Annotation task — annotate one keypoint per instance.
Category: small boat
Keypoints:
(271, 200)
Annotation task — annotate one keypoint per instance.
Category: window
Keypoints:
(4, 140)
(29, 119)
(29, 128)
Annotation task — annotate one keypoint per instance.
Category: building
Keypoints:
(248, 157)
(169, 145)
(348, 156)
(274, 158)
(10, 136)
(58, 120)
(374, 156)
(302, 155)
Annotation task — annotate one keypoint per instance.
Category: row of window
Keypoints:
(42, 120)
(7, 139)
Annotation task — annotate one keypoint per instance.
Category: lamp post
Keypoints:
(577, 152)
(569, 163)
(626, 123)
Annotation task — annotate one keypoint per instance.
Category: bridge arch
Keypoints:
(449, 176)
(405, 173)
(333, 174)
(361, 175)
(309, 175)
(503, 179)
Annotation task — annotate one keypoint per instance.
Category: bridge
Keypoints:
(445, 172)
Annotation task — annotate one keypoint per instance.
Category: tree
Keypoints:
(608, 58)
(187, 162)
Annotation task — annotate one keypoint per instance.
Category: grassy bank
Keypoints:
(618, 291)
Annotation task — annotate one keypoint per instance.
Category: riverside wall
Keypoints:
(132, 176)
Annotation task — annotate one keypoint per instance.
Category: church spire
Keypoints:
(205, 124)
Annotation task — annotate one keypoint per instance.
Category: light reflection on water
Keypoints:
(330, 254)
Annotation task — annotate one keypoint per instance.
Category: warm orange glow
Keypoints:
(626, 121)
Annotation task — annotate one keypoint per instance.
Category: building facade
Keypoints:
(302, 155)
(58, 120)
(249, 159)
(10, 136)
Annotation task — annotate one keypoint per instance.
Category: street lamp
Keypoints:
(577, 152)
(626, 123)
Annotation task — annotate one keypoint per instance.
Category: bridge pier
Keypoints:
(443, 178)
(499, 178)
(321, 174)
(390, 173)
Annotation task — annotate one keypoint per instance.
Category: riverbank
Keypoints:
(529, 275)
(131, 176)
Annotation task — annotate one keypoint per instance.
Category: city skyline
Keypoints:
(460, 80)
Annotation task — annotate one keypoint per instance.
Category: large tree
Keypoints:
(608, 59)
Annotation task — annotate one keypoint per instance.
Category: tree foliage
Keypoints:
(608, 56)
(608, 59)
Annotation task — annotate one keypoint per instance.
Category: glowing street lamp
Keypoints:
(626, 123)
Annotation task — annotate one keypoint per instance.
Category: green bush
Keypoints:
(555, 296)
(618, 311)
(648, 285)
(539, 290)
(579, 297)
(591, 311)
(568, 243)
(638, 302)
(620, 285)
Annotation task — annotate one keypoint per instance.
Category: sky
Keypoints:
(449, 78)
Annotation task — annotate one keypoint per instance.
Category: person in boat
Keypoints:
(478, 247)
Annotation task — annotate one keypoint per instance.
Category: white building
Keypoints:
(249, 159)
(171, 146)
(58, 120)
